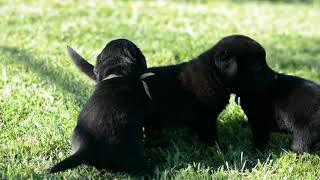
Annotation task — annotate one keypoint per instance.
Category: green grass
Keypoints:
(41, 91)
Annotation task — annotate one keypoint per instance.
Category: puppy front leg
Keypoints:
(152, 132)
(206, 129)
(258, 118)
(301, 140)
(134, 163)
(260, 133)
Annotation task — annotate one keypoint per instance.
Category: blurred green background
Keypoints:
(41, 91)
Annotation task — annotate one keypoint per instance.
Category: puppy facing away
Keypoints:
(190, 94)
(272, 100)
(109, 128)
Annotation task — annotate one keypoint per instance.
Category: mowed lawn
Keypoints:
(42, 92)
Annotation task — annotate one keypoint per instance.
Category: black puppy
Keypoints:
(109, 129)
(189, 94)
(275, 101)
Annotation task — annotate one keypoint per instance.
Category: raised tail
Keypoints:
(81, 63)
(70, 162)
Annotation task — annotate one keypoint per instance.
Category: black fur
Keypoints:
(109, 128)
(275, 101)
(190, 94)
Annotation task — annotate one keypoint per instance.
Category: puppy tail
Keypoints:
(70, 162)
(81, 63)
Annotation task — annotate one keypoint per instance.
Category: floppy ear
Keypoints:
(81, 63)
(227, 66)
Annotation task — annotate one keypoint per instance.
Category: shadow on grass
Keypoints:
(236, 152)
(183, 151)
(50, 74)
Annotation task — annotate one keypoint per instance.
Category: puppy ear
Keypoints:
(81, 63)
(227, 66)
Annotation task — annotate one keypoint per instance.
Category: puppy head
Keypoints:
(121, 57)
(240, 62)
